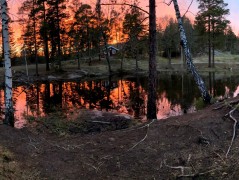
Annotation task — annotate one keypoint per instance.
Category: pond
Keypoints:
(177, 94)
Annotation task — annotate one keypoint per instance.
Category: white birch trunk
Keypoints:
(9, 113)
(200, 83)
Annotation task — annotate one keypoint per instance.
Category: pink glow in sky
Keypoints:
(165, 10)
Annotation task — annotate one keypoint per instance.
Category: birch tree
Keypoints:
(200, 83)
(9, 112)
(212, 18)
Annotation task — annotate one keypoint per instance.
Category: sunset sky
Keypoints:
(162, 10)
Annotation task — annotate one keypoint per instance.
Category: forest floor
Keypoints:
(192, 146)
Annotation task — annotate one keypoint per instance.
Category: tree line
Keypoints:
(58, 30)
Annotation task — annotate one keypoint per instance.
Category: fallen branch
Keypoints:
(146, 135)
(198, 174)
(225, 104)
(189, 169)
(234, 128)
(182, 169)
(100, 122)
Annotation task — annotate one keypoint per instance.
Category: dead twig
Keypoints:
(188, 169)
(125, 4)
(146, 135)
(220, 157)
(234, 128)
(199, 174)
(169, 3)
(182, 169)
(100, 122)
(31, 142)
(188, 8)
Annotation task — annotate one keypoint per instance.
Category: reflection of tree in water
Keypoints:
(188, 91)
(136, 99)
(95, 94)
(46, 98)
(211, 82)
(178, 90)
(127, 96)
(221, 84)
(1, 103)
(90, 92)
(51, 96)
(32, 98)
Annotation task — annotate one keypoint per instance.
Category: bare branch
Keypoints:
(188, 8)
(169, 3)
(126, 4)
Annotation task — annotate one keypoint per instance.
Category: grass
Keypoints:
(10, 169)
(224, 61)
(80, 121)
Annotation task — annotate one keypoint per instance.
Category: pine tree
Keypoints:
(134, 28)
(151, 104)
(55, 15)
(170, 40)
(44, 29)
(211, 19)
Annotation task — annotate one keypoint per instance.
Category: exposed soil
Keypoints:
(192, 146)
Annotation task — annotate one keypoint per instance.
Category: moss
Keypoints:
(199, 104)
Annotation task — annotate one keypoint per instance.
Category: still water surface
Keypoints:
(176, 94)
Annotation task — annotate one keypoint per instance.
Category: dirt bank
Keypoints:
(192, 146)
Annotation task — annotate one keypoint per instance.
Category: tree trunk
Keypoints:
(169, 58)
(206, 97)
(98, 8)
(209, 42)
(78, 57)
(151, 104)
(213, 45)
(35, 38)
(136, 60)
(46, 48)
(9, 111)
(58, 35)
(107, 53)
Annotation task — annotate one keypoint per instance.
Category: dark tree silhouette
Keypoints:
(151, 104)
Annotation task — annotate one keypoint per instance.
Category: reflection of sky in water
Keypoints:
(126, 96)
(236, 92)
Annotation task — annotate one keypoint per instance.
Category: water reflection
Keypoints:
(176, 95)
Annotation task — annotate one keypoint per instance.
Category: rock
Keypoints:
(51, 77)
